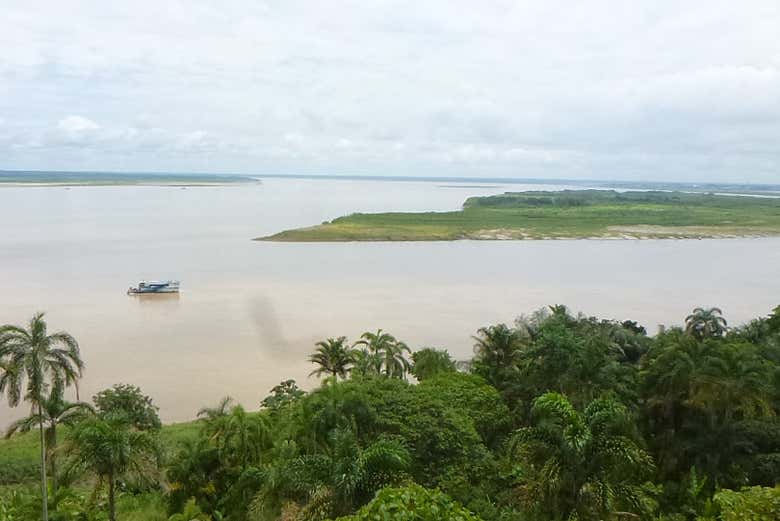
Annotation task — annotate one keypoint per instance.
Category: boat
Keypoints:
(154, 286)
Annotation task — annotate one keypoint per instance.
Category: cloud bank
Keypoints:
(655, 90)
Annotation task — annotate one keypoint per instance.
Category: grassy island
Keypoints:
(560, 215)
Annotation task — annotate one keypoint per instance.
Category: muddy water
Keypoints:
(250, 312)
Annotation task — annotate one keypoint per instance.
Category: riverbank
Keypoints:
(570, 214)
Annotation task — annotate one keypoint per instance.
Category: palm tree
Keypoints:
(215, 418)
(332, 357)
(395, 363)
(375, 345)
(110, 448)
(736, 382)
(33, 358)
(245, 437)
(212, 414)
(670, 371)
(496, 353)
(579, 465)
(383, 353)
(706, 323)
(336, 481)
(376, 342)
(238, 436)
(365, 363)
(56, 411)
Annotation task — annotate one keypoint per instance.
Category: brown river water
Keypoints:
(249, 312)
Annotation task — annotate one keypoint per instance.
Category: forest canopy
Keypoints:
(557, 416)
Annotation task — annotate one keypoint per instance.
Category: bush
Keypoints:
(412, 503)
(749, 504)
(129, 402)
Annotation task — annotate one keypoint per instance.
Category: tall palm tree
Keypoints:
(34, 359)
(332, 357)
(110, 448)
(579, 465)
(706, 323)
(395, 363)
(375, 345)
(376, 342)
(382, 354)
(56, 411)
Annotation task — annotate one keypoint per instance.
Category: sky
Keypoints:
(650, 90)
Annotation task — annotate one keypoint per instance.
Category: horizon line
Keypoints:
(400, 177)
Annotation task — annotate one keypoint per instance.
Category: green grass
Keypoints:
(555, 215)
(19, 470)
(23, 502)
(19, 458)
(19, 455)
(141, 507)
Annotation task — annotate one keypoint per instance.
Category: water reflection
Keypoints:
(156, 299)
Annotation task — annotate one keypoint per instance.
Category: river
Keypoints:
(250, 312)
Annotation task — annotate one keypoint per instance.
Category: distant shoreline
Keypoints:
(10, 184)
(94, 178)
(75, 179)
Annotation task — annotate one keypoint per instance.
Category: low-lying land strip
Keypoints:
(117, 179)
(569, 214)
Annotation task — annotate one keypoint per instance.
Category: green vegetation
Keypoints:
(412, 503)
(55, 411)
(130, 402)
(556, 215)
(429, 362)
(33, 360)
(108, 449)
(556, 417)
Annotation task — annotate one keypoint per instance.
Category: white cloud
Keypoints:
(344, 143)
(77, 124)
(593, 89)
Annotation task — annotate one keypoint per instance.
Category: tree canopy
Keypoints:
(557, 417)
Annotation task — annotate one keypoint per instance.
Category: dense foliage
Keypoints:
(556, 417)
(129, 401)
(412, 503)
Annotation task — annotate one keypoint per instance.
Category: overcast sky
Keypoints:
(647, 90)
